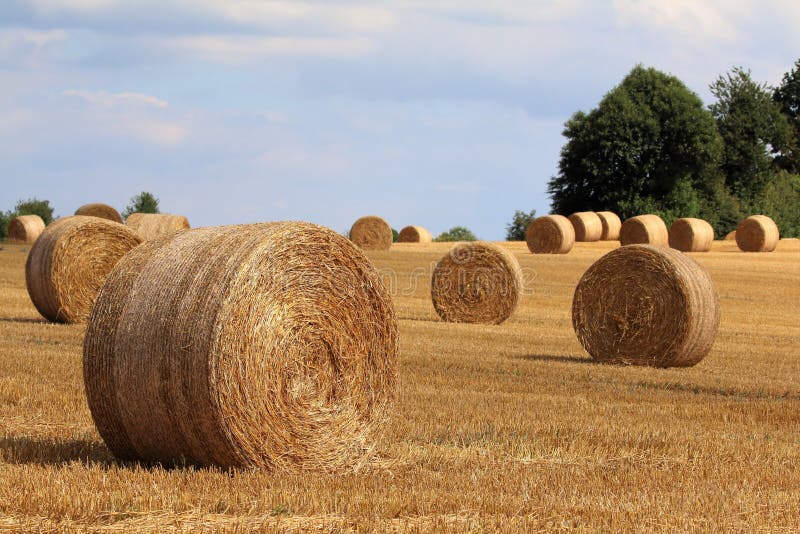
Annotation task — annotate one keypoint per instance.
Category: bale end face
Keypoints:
(551, 234)
(646, 305)
(371, 233)
(691, 235)
(476, 283)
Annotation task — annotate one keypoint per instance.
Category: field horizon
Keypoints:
(497, 428)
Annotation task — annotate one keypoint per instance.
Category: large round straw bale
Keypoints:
(757, 233)
(691, 235)
(476, 282)
(646, 305)
(611, 225)
(70, 261)
(270, 345)
(587, 225)
(25, 229)
(155, 225)
(371, 233)
(414, 234)
(104, 211)
(730, 236)
(644, 230)
(551, 234)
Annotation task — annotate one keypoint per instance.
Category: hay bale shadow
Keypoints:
(53, 451)
(554, 358)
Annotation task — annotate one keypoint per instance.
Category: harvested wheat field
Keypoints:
(494, 428)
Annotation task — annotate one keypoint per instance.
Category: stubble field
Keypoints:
(495, 427)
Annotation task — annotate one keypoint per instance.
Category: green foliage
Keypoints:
(650, 143)
(457, 233)
(4, 220)
(144, 202)
(395, 235)
(753, 129)
(34, 206)
(787, 96)
(781, 201)
(515, 230)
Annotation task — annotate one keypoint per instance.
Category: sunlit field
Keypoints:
(494, 428)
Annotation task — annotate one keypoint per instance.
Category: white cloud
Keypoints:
(243, 48)
(109, 100)
(158, 132)
(706, 21)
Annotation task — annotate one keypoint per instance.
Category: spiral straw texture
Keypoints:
(691, 235)
(69, 262)
(270, 345)
(414, 234)
(551, 234)
(476, 283)
(757, 233)
(646, 305)
(25, 229)
(104, 211)
(611, 225)
(155, 225)
(371, 233)
(587, 225)
(644, 230)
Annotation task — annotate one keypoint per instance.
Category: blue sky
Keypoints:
(429, 113)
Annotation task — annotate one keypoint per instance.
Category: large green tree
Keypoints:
(753, 129)
(650, 145)
(787, 96)
(144, 202)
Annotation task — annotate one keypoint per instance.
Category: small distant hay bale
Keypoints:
(646, 305)
(371, 233)
(155, 225)
(274, 345)
(476, 283)
(551, 234)
(730, 236)
(587, 225)
(104, 211)
(644, 230)
(414, 234)
(691, 235)
(69, 262)
(757, 233)
(25, 229)
(611, 225)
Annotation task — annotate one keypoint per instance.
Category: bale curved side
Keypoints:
(25, 229)
(371, 233)
(476, 283)
(414, 234)
(156, 225)
(757, 233)
(730, 236)
(691, 235)
(646, 305)
(69, 262)
(644, 230)
(551, 234)
(611, 225)
(97, 209)
(587, 225)
(269, 345)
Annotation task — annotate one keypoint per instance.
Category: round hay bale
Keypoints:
(476, 283)
(757, 233)
(273, 345)
(104, 211)
(587, 225)
(644, 230)
(730, 236)
(371, 233)
(646, 305)
(69, 262)
(611, 225)
(155, 225)
(551, 234)
(414, 234)
(25, 229)
(691, 235)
